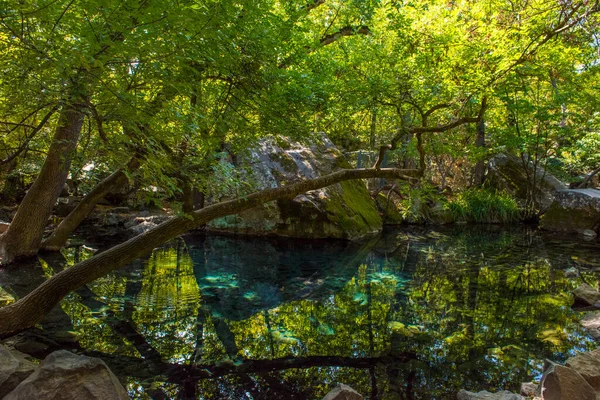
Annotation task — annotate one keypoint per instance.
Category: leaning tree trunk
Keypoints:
(27, 311)
(479, 176)
(59, 237)
(25, 232)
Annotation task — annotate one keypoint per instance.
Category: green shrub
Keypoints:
(484, 206)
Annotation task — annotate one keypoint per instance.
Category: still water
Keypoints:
(414, 313)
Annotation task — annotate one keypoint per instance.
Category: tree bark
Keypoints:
(24, 235)
(479, 176)
(27, 311)
(59, 237)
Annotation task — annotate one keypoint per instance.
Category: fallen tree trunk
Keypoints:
(27, 311)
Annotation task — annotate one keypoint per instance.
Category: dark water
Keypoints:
(412, 314)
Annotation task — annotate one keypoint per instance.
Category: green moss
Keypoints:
(353, 210)
(389, 210)
(286, 161)
(559, 218)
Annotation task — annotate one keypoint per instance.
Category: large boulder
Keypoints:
(510, 173)
(588, 366)
(586, 296)
(563, 383)
(344, 210)
(66, 376)
(573, 210)
(343, 392)
(14, 368)
(485, 395)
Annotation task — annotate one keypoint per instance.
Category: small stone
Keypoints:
(485, 395)
(343, 392)
(585, 295)
(4, 226)
(528, 389)
(589, 233)
(562, 383)
(571, 273)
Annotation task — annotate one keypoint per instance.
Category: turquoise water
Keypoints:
(412, 314)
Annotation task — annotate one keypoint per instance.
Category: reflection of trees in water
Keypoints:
(408, 315)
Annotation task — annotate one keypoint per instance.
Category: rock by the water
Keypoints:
(343, 392)
(591, 323)
(586, 296)
(529, 389)
(64, 375)
(508, 172)
(588, 366)
(14, 368)
(573, 210)
(344, 210)
(562, 383)
(485, 395)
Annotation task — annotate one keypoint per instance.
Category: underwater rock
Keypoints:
(64, 375)
(571, 273)
(485, 395)
(563, 383)
(14, 368)
(343, 392)
(344, 210)
(586, 296)
(588, 366)
(573, 210)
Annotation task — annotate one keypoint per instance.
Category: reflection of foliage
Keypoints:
(469, 308)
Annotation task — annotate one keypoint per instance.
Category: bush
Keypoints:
(484, 206)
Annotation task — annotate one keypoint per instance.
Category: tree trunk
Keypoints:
(60, 235)
(29, 310)
(24, 235)
(479, 176)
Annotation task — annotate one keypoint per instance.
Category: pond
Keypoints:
(414, 313)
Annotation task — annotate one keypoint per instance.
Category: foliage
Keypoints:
(484, 206)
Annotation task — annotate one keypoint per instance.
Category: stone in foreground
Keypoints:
(343, 392)
(66, 376)
(586, 296)
(588, 366)
(562, 383)
(14, 368)
(485, 395)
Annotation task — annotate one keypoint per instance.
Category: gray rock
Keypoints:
(485, 395)
(66, 376)
(588, 366)
(562, 383)
(343, 392)
(585, 295)
(571, 273)
(14, 368)
(344, 210)
(528, 389)
(573, 210)
(508, 172)
(591, 323)
(589, 233)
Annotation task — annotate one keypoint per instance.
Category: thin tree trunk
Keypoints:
(24, 234)
(60, 235)
(480, 143)
(30, 309)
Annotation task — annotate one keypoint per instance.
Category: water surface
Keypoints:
(414, 313)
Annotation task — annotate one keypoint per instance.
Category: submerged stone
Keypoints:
(485, 395)
(344, 210)
(14, 368)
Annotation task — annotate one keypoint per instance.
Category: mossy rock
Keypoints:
(389, 210)
(344, 210)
